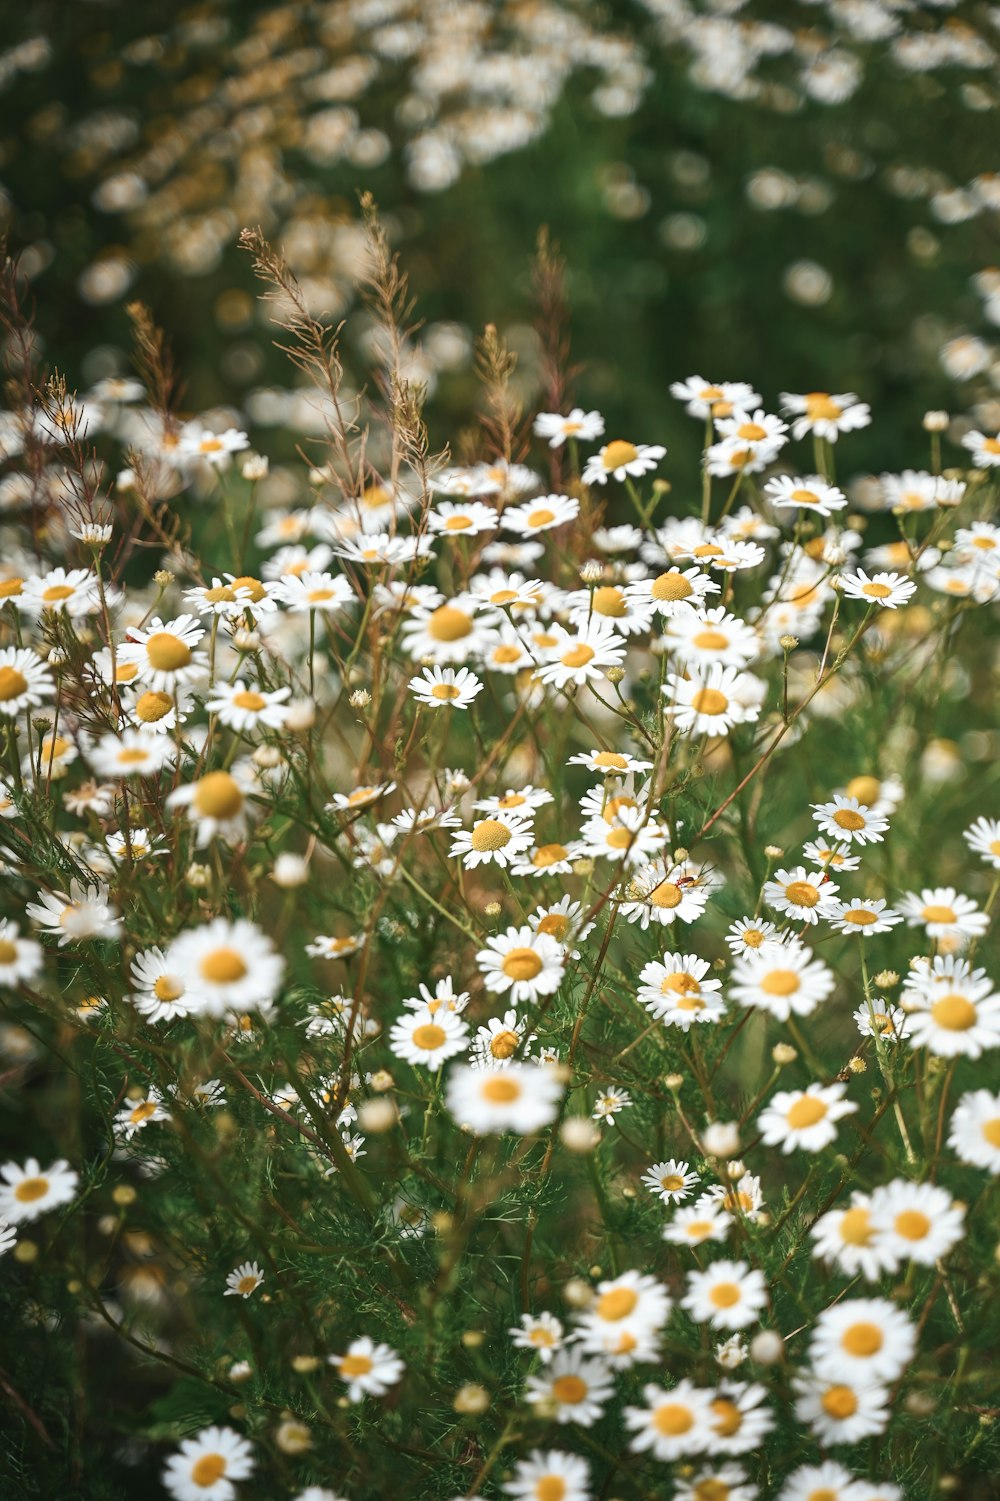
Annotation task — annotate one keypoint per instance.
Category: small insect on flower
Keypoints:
(369, 1369)
(205, 1466)
(244, 1280)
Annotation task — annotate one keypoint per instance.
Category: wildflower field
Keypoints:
(499, 988)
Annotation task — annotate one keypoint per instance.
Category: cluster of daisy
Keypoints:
(371, 855)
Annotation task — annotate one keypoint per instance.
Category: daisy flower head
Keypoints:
(848, 820)
(673, 1423)
(581, 657)
(729, 1295)
(983, 837)
(723, 1480)
(704, 399)
(885, 589)
(952, 1009)
(74, 592)
(711, 699)
(523, 802)
(548, 1474)
(450, 634)
(521, 1097)
(757, 431)
(198, 442)
(749, 934)
(580, 425)
(862, 1338)
(674, 591)
(624, 612)
(825, 415)
(564, 921)
(621, 460)
(244, 709)
(944, 914)
(804, 495)
(8, 1237)
(369, 1369)
(166, 654)
(985, 450)
(664, 893)
(161, 994)
(843, 1410)
(609, 763)
(544, 514)
(848, 1237)
(25, 681)
(805, 896)
(20, 958)
(626, 1312)
(671, 1181)
(541, 1333)
(205, 1466)
(523, 961)
(782, 978)
(742, 1416)
(139, 1114)
(877, 1018)
(676, 991)
(228, 966)
(216, 804)
(79, 914)
(304, 593)
(975, 1130)
(864, 915)
(573, 1388)
(428, 1038)
(133, 753)
(451, 518)
(704, 1221)
(828, 1480)
(916, 1221)
(499, 1039)
(30, 1191)
(498, 840)
(244, 1280)
(629, 837)
(701, 638)
(446, 687)
(609, 1102)
(359, 797)
(804, 1118)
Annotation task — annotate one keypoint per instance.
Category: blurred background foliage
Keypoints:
(755, 234)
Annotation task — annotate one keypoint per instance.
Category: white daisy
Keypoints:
(216, 804)
(205, 1466)
(20, 958)
(729, 1295)
(826, 416)
(468, 519)
(498, 840)
(944, 914)
(520, 1097)
(671, 1181)
(866, 1338)
(133, 753)
(693, 1227)
(25, 681)
(811, 494)
(983, 836)
(84, 912)
(849, 821)
(161, 994)
(228, 966)
(805, 896)
(573, 1388)
(782, 978)
(918, 1222)
(527, 963)
(550, 1475)
(843, 1411)
(677, 992)
(975, 1129)
(582, 657)
(369, 1369)
(541, 1333)
(866, 916)
(674, 1423)
(241, 708)
(804, 1118)
(885, 589)
(427, 1038)
(543, 514)
(244, 1280)
(166, 655)
(581, 425)
(621, 460)
(444, 687)
(29, 1191)
(675, 590)
(711, 699)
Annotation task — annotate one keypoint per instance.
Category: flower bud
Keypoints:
(578, 1134)
(767, 1347)
(721, 1139)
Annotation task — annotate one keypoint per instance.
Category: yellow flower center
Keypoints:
(724, 1294)
(619, 453)
(710, 641)
(246, 1284)
(617, 1303)
(505, 654)
(821, 406)
(665, 895)
(751, 432)
(550, 1488)
(355, 1365)
(208, 1469)
(610, 601)
(671, 586)
(249, 700)
(143, 1112)
(802, 893)
(991, 1131)
(448, 623)
(846, 818)
(491, 834)
(429, 1036)
(220, 594)
(805, 1112)
(710, 701)
(671, 1182)
(866, 789)
(541, 517)
(672, 1419)
(912, 1225)
(805, 497)
(500, 1090)
(249, 585)
(218, 795)
(504, 1044)
(839, 1402)
(548, 854)
(12, 684)
(31, 1189)
(445, 692)
(569, 1389)
(223, 967)
(9, 588)
(167, 989)
(555, 924)
(876, 591)
(57, 592)
(610, 761)
(938, 914)
(955, 1013)
(855, 1227)
(521, 964)
(457, 523)
(620, 838)
(862, 1339)
(153, 706)
(8, 951)
(578, 656)
(780, 982)
(167, 652)
(728, 1418)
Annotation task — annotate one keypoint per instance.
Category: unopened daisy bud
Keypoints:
(240, 1370)
(919, 1404)
(577, 1293)
(163, 578)
(783, 1053)
(736, 1168)
(731, 1353)
(255, 466)
(360, 698)
(198, 876)
(304, 1364)
(767, 1347)
(473, 1338)
(679, 855)
(378, 1115)
(107, 1224)
(885, 978)
(125, 480)
(93, 533)
(591, 571)
(773, 852)
(123, 1194)
(292, 1437)
(662, 487)
(615, 674)
(301, 714)
(381, 1079)
(578, 1134)
(787, 642)
(857, 1065)
(492, 909)
(267, 756)
(674, 1081)
(935, 422)
(290, 870)
(721, 1139)
(245, 640)
(471, 1398)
